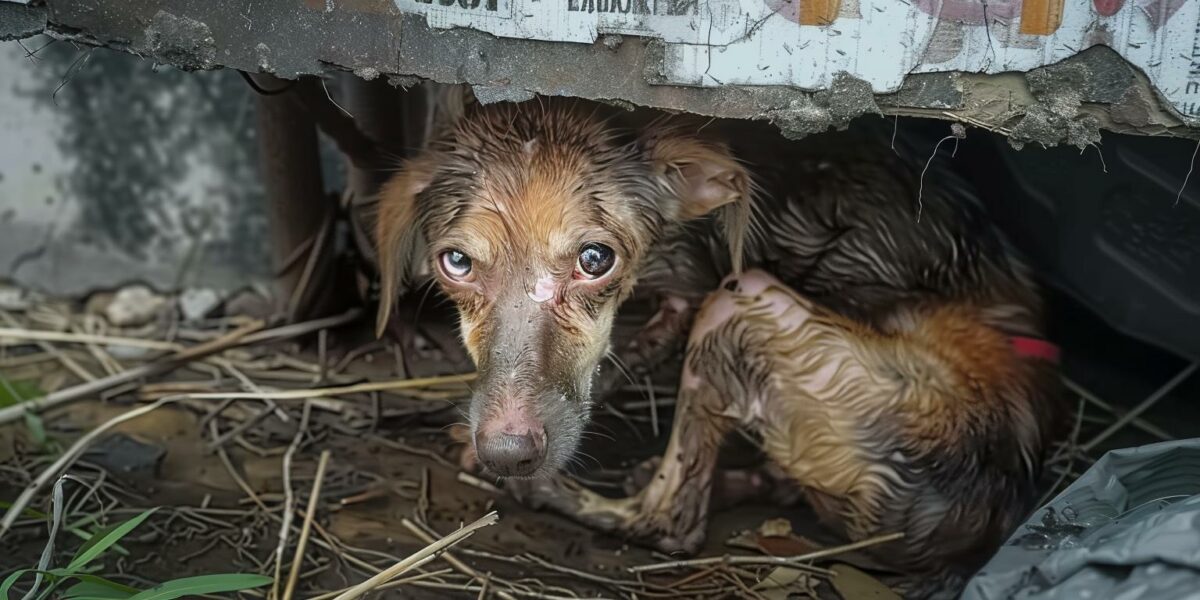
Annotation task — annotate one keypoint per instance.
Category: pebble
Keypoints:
(198, 303)
(134, 306)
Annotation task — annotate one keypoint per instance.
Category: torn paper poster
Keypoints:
(805, 43)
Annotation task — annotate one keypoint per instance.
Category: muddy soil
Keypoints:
(394, 460)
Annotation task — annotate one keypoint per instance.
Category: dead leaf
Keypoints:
(775, 538)
(853, 584)
(783, 582)
(793, 545)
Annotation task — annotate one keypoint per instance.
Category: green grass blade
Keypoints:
(29, 512)
(16, 392)
(37, 429)
(10, 581)
(104, 539)
(98, 587)
(203, 584)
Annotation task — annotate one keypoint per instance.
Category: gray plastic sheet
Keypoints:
(1127, 529)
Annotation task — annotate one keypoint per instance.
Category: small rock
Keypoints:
(133, 306)
(14, 298)
(121, 453)
(198, 303)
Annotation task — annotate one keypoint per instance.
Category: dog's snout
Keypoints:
(511, 451)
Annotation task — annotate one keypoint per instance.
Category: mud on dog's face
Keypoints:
(534, 219)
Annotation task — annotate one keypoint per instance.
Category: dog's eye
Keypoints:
(455, 264)
(595, 261)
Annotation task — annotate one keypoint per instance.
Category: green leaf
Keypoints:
(203, 584)
(10, 581)
(91, 586)
(16, 392)
(104, 539)
(37, 430)
(28, 513)
(108, 588)
(77, 529)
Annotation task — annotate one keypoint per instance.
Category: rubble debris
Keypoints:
(134, 305)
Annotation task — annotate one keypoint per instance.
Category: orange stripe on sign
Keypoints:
(818, 12)
(1041, 17)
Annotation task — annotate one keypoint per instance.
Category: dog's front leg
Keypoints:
(671, 512)
(720, 384)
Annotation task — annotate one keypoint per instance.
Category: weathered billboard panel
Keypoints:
(806, 43)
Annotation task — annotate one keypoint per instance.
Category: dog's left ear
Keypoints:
(704, 177)
(398, 232)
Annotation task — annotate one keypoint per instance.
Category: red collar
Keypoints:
(1035, 348)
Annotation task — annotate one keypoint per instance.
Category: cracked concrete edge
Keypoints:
(19, 20)
(1068, 102)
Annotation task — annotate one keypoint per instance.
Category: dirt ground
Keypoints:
(216, 464)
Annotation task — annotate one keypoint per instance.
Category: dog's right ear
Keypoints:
(398, 233)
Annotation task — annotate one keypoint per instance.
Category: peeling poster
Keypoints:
(805, 43)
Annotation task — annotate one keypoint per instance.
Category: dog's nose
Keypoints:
(511, 454)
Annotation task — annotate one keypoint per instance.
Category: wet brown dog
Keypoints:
(891, 361)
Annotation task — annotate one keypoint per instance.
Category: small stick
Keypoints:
(305, 328)
(1141, 408)
(313, 500)
(244, 335)
(462, 567)
(394, 583)
(170, 363)
(62, 357)
(374, 386)
(698, 575)
(746, 592)
(420, 557)
(294, 306)
(240, 428)
(788, 561)
(289, 497)
(423, 497)
(14, 333)
(471, 480)
(322, 355)
(1142, 424)
(233, 473)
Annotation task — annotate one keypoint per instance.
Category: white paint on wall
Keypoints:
(762, 42)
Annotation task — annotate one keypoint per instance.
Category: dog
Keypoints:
(889, 352)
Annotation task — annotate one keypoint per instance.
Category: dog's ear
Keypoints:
(398, 233)
(704, 177)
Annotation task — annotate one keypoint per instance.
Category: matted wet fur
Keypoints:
(883, 360)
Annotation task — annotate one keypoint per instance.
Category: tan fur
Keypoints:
(874, 359)
(396, 237)
(519, 191)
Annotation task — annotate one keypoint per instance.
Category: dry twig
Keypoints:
(462, 567)
(172, 362)
(798, 561)
(313, 499)
(421, 557)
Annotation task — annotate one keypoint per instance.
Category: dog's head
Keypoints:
(535, 219)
